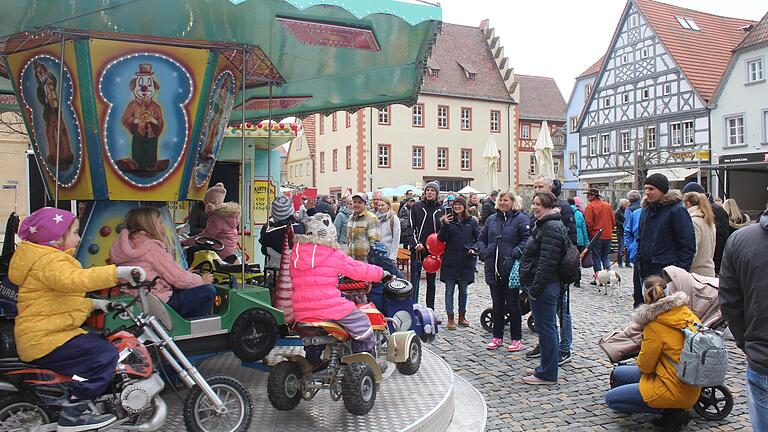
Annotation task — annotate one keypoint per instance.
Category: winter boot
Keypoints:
(79, 416)
(672, 420)
(451, 322)
(463, 319)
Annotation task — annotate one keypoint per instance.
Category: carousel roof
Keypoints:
(321, 55)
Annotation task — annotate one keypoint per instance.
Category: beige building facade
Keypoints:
(298, 163)
(13, 168)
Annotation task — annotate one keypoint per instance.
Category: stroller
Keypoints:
(715, 403)
(486, 317)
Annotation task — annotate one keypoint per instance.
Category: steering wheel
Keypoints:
(209, 243)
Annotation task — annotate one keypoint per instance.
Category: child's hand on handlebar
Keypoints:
(207, 278)
(387, 276)
(100, 305)
(134, 275)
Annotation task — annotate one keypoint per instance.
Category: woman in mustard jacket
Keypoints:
(652, 386)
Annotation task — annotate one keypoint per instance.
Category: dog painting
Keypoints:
(55, 130)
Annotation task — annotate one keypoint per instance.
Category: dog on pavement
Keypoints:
(608, 281)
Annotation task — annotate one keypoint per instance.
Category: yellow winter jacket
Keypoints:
(52, 304)
(662, 341)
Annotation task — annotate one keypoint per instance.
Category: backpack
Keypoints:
(406, 231)
(704, 359)
(569, 270)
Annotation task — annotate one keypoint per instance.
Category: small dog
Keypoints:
(608, 281)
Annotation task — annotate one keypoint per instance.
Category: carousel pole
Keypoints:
(243, 183)
(269, 151)
(58, 123)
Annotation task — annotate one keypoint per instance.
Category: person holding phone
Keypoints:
(459, 231)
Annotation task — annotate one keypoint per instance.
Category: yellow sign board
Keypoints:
(262, 199)
(692, 155)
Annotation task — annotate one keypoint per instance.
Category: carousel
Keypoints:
(139, 102)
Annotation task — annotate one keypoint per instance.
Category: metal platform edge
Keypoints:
(440, 416)
(464, 411)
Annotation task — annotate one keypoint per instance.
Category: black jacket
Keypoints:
(425, 220)
(665, 236)
(722, 232)
(197, 218)
(567, 218)
(619, 216)
(744, 291)
(542, 254)
(501, 242)
(459, 236)
(322, 207)
(487, 209)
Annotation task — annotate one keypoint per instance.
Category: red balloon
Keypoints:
(434, 245)
(432, 264)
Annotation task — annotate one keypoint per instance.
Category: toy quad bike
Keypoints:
(354, 377)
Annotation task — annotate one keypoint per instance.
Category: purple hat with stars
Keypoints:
(45, 225)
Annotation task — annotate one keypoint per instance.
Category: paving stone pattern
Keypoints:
(576, 403)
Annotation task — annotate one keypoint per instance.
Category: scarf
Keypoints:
(551, 211)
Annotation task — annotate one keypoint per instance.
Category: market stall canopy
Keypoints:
(468, 190)
(322, 55)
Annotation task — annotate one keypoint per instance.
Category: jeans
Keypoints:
(506, 300)
(625, 396)
(193, 302)
(416, 278)
(600, 251)
(566, 324)
(450, 286)
(757, 399)
(544, 309)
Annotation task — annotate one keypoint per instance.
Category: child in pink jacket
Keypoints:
(223, 220)
(142, 243)
(316, 263)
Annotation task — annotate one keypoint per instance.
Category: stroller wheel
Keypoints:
(715, 403)
(531, 324)
(486, 320)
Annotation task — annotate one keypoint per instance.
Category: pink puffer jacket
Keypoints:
(151, 255)
(222, 226)
(315, 269)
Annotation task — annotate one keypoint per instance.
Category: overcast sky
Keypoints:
(562, 38)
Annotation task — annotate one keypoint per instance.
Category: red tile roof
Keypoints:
(702, 55)
(540, 98)
(595, 68)
(459, 45)
(758, 35)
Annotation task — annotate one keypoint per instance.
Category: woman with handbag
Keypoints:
(459, 231)
(499, 246)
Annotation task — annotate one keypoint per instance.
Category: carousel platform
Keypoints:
(434, 399)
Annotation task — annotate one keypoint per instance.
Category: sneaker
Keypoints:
(563, 358)
(79, 416)
(534, 353)
(515, 346)
(534, 380)
(495, 343)
(530, 371)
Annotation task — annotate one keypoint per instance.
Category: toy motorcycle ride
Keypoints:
(353, 377)
(32, 396)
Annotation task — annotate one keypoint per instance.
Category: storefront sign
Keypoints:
(261, 200)
(744, 158)
(692, 155)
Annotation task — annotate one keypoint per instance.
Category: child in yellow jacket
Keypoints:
(52, 307)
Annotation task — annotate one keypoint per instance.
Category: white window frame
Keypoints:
(645, 52)
(645, 94)
(676, 134)
(592, 145)
(666, 89)
(557, 167)
(587, 91)
(739, 130)
(384, 116)
(624, 59)
(442, 160)
(525, 131)
(605, 144)
(417, 115)
(466, 159)
(625, 98)
(606, 101)
(633, 21)
(417, 157)
(573, 159)
(689, 132)
(574, 123)
(495, 122)
(758, 75)
(764, 113)
(532, 166)
(465, 123)
(650, 138)
(442, 116)
(384, 156)
(625, 139)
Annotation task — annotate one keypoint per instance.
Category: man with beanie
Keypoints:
(425, 220)
(489, 206)
(722, 225)
(665, 234)
(281, 223)
(599, 215)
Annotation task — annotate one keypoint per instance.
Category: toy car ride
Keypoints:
(207, 260)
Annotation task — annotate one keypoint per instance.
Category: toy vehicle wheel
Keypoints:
(200, 415)
(358, 388)
(18, 413)
(715, 403)
(427, 338)
(486, 319)
(284, 386)
(399, 289)
(253, 335)
(531, 324)
(411, 365)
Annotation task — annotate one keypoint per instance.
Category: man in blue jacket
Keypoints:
(631, 221)
(665, 235)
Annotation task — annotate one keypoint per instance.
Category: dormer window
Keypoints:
(687, 23)
(433, 67)
(434, 73)
(469, 70)
(471, 76)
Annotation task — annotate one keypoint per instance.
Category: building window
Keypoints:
(592, 145)
(471, 76)
(384, 155)
(557, 167)
(645, 52)
(309, 171)
(335, 160)
(587, 91)
(765, 126)
(666, 89)
(650, 138)
(755, 70)
(572, 156)
(574, 123)
(384, 116)
(417, 157)
(645, 94)
(625, 98)
(735, 128)
(434, 73)
(626, 144)
(348, 157)
(495, 121)
(347, 119)
(532, 166)
(498, 165)
(624, 59)
(300, 171)
(322, 162)
(526, 133)
(466, 159)
(689, 136)
(442, 158)
(417, 115)
(290, 171)
(442, 117)
(607, 102)
(321, 123)
(687, 23)
(633, 21)
(334, 122)
(466, 118)
(605, 144)
(676, 133)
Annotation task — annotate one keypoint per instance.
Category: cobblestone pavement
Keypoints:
(576, 403)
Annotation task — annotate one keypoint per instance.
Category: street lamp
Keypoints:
(574, 170)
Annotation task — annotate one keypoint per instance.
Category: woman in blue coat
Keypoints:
(459, 231)
(499, 245)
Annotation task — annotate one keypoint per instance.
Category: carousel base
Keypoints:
(434, 399)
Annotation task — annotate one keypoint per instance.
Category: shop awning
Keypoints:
(606, 176)
(674, 174)
(328, 54)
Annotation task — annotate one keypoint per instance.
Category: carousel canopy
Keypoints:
(322, 55)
